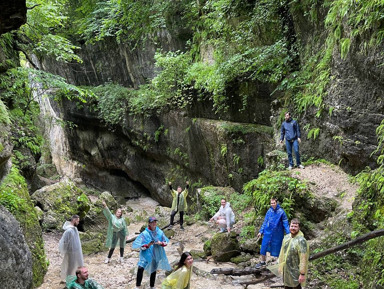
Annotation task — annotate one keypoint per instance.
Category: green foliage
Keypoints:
(275, 184)
(314, 132)
(15, 197)
(4, 116)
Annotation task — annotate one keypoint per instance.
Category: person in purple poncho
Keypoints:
(273, 228)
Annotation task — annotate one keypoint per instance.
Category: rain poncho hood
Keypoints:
(154, 257)
(88, 284)
(182, 206)
(227, 213)
(70, 248)
(180, 279)
(115, 225)
(293, 260)
(273, 227)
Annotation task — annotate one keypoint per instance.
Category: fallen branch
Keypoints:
(359, 240)
(238, 272)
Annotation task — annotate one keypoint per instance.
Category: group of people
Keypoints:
(292, 249)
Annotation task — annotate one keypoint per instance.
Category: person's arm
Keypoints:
(228, 218)
(282, 132)
(107, 213)
(172, 191)
(285, 222)
(303, 256)
(261, 231)
(298, 133)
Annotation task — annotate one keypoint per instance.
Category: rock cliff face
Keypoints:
(16, 259)
(145, 153)
(13, 14)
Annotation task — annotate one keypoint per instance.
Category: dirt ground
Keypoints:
(325, 180)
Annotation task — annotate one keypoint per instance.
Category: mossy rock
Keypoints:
(169, 233)
(224, 246)
(198, 254)
(207, 248)
(243, 258)
(93, 242)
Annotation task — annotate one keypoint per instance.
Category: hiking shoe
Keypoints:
(260, 265)
(121, 260)
(182, 228)
(301, 167)
(290, 168)
(107, 260)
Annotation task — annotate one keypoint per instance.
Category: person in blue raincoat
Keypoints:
(151, 243)
(273, 228)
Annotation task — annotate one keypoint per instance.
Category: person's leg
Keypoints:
(297, 153)
(121, 252)
(139, 277)
(288, 144)
(222, 223)
(152, 279)
(173, 213)
(181, 219)
(122, 241)
(110, 252)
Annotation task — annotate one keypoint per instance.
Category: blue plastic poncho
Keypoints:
(116, 226)
(88, 284)
(154, 257)
(275, 222)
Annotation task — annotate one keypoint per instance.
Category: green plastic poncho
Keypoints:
(180, 279)
(182, 206)
(88, 284)
(115, 225)
(293, 259)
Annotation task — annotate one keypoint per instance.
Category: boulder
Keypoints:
(224, 246)
(15, 257)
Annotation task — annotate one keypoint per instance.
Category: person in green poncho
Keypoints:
(117, 232)
(293, 258)
(181, 277)
(179, 203)
(81, 280)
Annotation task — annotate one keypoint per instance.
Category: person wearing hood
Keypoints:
(70, 248)
(151, 243)
(273, 228)
(290, 130)
(179, 203)
(224, 218)
(293, 258)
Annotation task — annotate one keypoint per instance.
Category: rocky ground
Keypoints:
(325, 180)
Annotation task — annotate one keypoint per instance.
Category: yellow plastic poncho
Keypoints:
(115, 225)
(293, 259)
(182, 206)
(180, 279)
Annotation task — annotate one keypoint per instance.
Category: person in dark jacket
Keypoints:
(290, 130)
(274, 226)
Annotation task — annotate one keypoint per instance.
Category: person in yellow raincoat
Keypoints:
(181, 277)
(117, 232)
(293, 258)
(179, 203)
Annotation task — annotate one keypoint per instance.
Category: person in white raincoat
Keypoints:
(293, 258)
(224, 218)
(70, 248)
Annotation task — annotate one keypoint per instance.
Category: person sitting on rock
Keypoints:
(179, 203)
(81, 280)
(224, 218)
(181, 277)
(117, 231)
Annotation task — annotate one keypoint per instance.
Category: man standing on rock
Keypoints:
(70, 248)
(273, 228)
(290, 130)
(179, 203)
(293, 258)
(151, 243)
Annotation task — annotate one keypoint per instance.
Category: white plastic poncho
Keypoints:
(154, 257)
(70, 249)
(293, 259)
(227, 213)
(180, 279)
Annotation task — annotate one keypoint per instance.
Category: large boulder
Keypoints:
(15, 257)
(224, 247)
